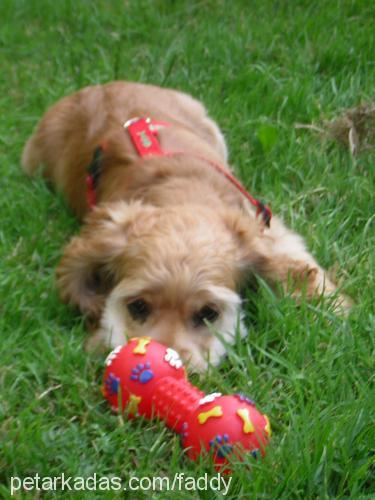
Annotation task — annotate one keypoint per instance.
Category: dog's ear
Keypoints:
(87, 271)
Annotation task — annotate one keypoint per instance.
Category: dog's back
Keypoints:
(71, 129)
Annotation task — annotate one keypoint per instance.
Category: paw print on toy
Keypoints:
(142, 372)
(209, 398)
(172, 357)
(242, 397)
(112, 355)
(112, 384)
(184, 431)
(221, 443)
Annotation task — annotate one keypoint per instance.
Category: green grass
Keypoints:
(260, 67)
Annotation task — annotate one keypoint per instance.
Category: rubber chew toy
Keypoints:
(147, 378)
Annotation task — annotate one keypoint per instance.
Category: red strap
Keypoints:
(93, 174)
(262, 209)
(143, 133)
(90, 191)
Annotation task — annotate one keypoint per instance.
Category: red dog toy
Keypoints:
(146, 378)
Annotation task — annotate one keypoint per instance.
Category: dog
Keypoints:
(170, 236)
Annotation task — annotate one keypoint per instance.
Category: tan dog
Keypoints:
(171, 240)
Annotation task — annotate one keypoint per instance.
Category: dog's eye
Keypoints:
(139, 310)
(206, 314)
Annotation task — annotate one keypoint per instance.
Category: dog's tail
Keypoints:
(44, 146)
(31, 156)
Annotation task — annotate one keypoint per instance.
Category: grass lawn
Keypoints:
(260, 66)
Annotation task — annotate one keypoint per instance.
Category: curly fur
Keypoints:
(169, 230)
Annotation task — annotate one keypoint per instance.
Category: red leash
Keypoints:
(143, 134)
(260, 207)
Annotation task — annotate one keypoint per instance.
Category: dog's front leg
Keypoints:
(283, 259)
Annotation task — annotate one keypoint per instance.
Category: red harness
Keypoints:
(143, 133)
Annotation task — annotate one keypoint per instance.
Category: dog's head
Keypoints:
(169, 273)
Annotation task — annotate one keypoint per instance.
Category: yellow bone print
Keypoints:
(267, 427)
(216, 411)
(133, 404)
(141, 346)
(248, 426)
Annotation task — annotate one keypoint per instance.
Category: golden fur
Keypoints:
(170, 234)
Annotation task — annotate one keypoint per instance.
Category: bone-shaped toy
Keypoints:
(146, 378)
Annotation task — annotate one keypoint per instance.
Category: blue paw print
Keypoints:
(221, 443)
(142, 373)
(184, 430)
(242, 397)
(112, 384)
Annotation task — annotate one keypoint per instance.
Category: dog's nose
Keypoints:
(175, 341)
